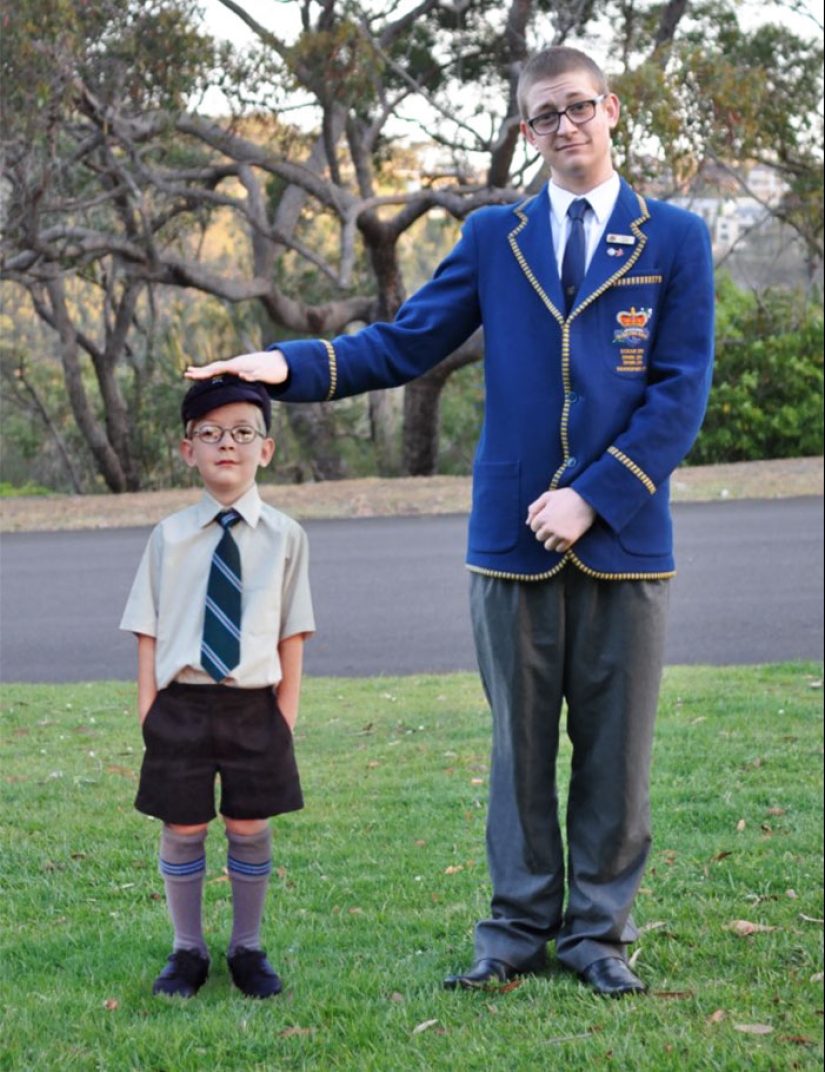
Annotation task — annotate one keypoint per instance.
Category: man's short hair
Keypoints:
(553, 62)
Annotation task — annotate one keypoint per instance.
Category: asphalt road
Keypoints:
(391, 594)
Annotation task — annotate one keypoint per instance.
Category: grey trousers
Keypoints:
(598, 646)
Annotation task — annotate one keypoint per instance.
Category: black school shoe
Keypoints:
(252, 973)
(185, 973)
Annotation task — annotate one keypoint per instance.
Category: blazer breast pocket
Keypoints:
(633, 324)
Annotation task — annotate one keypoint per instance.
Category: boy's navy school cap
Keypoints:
(205, 395)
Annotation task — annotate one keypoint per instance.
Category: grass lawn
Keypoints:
(378, 882)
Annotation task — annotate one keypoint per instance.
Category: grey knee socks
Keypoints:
(183, 866)
(249, 862)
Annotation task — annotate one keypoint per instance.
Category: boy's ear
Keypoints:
(187, 452)
(267, 451)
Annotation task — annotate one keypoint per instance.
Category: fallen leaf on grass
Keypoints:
(395, 996)
(674, 995)
(453, 870)
(740, 826)
(754, 1029)
(744, 928)
(717, 1017)
(124, 772)
(797, 1040)
(425, 1026)
(818, 978)
(289, 1032)
(810, 919)
(111, 1004)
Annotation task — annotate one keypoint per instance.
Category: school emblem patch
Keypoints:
(632, 337)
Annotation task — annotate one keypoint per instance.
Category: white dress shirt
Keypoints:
(602, 201)
(168, 596)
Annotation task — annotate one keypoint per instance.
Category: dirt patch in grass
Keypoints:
(374, 497)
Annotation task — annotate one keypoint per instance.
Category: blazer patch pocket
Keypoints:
(495, 519)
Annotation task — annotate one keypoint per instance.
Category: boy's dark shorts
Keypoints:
(195, 732)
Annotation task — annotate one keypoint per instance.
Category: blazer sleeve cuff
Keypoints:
(313, 371)
(616, 487)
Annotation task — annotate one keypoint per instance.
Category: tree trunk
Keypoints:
(106, 459)
(422, 400)
(311, 424)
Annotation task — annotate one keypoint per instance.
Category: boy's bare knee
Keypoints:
(245, 827)
(187, 830)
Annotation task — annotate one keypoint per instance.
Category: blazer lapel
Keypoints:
(532, 244)
(619, 247)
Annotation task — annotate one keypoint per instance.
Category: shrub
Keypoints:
(767, 398)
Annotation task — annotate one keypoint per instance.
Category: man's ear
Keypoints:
(527, 131)
(613, 107)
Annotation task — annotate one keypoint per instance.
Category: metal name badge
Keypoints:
(621, 239)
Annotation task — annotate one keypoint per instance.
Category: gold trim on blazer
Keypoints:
(333, 370)
(634, 469)
(530, 578)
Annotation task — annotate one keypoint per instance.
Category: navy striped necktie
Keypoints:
(221, 645)
(575, 252)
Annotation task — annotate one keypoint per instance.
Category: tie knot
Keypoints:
(228, 518)
(578, 208)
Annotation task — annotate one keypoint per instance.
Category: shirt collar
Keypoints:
(602, 199)
(248, 506)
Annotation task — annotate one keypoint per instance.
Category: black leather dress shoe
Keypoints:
(612, 977)
(252, 973)
(483, 973)
(185, 973)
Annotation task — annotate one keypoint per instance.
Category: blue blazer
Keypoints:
(606, 400)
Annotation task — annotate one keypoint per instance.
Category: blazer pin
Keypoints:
(621, 239)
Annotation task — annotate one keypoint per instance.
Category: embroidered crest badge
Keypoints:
(632, 326)
(632, 337)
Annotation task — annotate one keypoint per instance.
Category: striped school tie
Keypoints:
(221, 645)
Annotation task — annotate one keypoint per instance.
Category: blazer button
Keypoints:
(572, 463)
(573, 397)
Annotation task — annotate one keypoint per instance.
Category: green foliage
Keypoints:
(767, 399)
(378, 882)
(8, 490)
(142, 54)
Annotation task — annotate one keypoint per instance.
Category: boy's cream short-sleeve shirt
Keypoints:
(168, 595)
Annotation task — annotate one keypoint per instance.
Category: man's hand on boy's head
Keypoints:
(264, 366)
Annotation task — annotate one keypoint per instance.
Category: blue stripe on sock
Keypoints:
(241, 867)
(193, 867)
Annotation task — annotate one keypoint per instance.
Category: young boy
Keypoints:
(221, 608)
